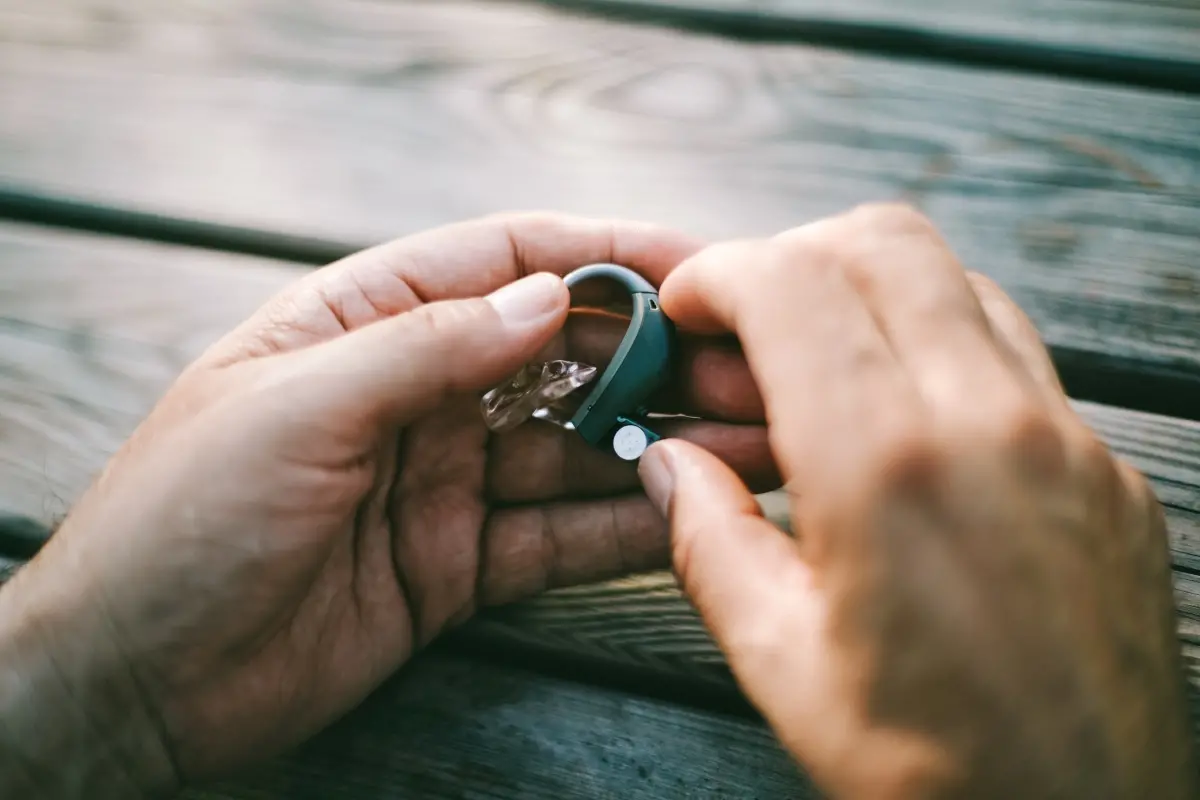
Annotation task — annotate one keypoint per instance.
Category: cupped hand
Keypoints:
(318, 496)
(978, 600)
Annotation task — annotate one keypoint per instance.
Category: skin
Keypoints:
(978, 599)
(315, 499)
(977, 603)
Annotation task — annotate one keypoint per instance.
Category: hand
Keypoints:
(317, 497)
(978, 602)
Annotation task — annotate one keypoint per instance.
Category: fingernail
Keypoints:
(530, 299)
(658, 477)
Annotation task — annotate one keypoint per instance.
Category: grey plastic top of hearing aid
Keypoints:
(641, 363)
(633, 283)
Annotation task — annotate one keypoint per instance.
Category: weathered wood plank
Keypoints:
(1114, 28)
(1166, 29)
(450, 728)
(362, 120)
(81, 363)
(645, 620)
(92, 331)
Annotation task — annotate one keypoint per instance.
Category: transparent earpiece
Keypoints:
(538, 391)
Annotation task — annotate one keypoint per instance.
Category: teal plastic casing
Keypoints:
(641, 365)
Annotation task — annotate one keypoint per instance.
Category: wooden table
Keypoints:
(164, 167)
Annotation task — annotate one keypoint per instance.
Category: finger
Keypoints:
(919, 295)
(404, 366)
(530, 549)
(711, 376)
(1013, 329)
(539, 462)
(465, 259)
(474, 258)
(831, 388)
(701, 295)
(756, 595)
(714, 381)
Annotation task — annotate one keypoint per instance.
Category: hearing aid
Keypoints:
(613, 416)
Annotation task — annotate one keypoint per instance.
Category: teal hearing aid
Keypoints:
(613, 416)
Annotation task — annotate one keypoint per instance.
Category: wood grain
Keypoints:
(92, 331)
(1158, 30)
(362, 120)
(450, 728)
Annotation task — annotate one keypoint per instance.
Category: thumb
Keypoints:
(746, 578)
(401, 367)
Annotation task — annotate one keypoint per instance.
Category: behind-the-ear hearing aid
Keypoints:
(613, 415)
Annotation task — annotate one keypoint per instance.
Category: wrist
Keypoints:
(74, 721)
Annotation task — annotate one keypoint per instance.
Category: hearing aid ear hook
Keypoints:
(613, 415)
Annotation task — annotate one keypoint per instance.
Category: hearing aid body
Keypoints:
(612, 417)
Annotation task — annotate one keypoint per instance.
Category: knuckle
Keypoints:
(524, 227)
(1090, 449)
(1027, 426)
(985, 288)
(999, 307)
(1017, 430)
(858, 243)
(449, 324)
(1047, 447)
(819, 248)
(1143, 519)
(910, 461)
(427, 323)
(890, 218)
(1095, 462)
(1033, 439)
(1136, 484)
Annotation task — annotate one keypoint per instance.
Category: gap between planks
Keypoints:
(354, 122)
(1094, 376)
(446, 727)
(924, 36)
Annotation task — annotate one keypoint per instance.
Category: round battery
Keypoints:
(630, 442)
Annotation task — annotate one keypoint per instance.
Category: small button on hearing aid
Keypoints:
(629, 442)
(612, 415)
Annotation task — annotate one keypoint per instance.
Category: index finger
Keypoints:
(832, 389)
(464, 259)
(474, 258)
